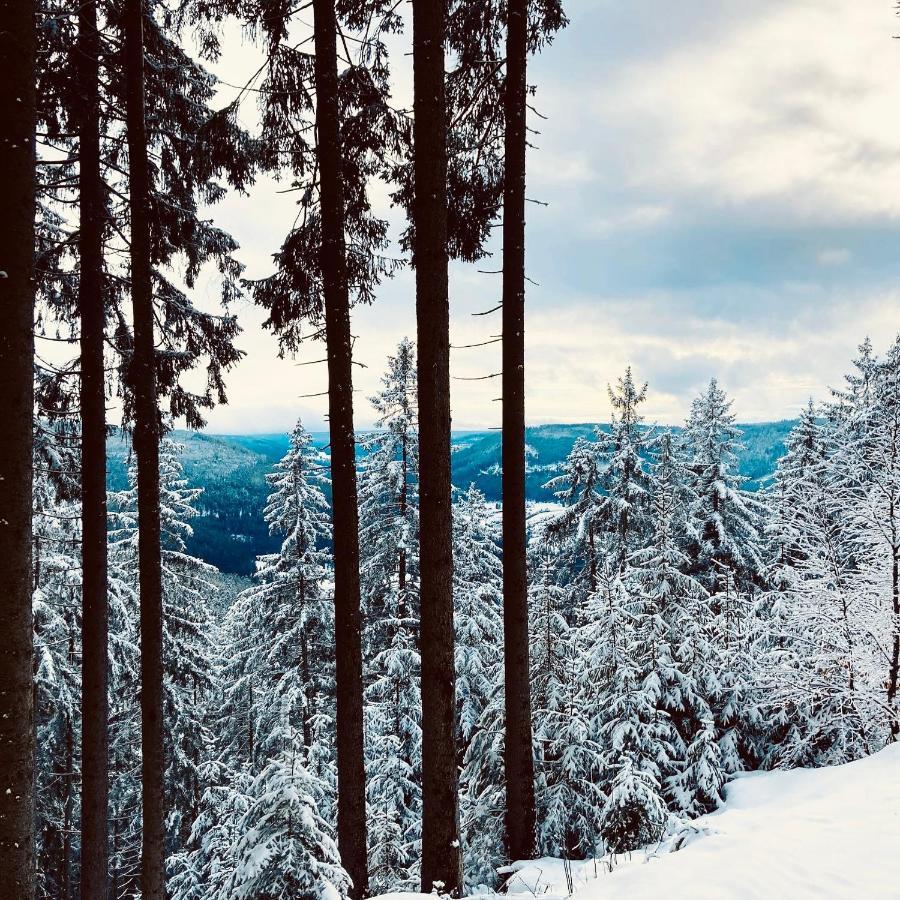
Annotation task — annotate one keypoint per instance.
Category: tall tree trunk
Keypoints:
(94, 698)
(519, 758)
(894, 673)
(441, 858)
(347, 618)
(146, 445)
(17, 289)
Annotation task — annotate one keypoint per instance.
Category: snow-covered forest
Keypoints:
(682, 629)
(421, 690)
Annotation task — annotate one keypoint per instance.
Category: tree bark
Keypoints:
(347, 617)
(518, 752)
(17, 291)
(94, 699)
(441, 858)
(146, 446)
(894, 673)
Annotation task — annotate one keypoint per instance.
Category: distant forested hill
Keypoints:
(232, 469)
(231, 531)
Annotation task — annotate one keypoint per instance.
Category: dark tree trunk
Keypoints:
(94, 700)
(894, 673)
(441, 858)
(69, 804)
(146, 446)
(519, 758)
(347, 619)
(17, 289)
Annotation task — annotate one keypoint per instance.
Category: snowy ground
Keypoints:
(810, 833)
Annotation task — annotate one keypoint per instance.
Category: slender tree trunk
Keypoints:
(519, 756)
(17, 289)
(403, 503)
(894, 674)
(146, 445)
(347, 618)
(67, 810)
(94, 698)
(441, 858)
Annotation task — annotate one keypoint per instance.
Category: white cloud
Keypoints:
(835, 256)
(778, 115)
(796, 104)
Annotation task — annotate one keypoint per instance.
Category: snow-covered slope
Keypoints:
(809, 833)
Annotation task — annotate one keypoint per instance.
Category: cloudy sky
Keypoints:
(724, 199)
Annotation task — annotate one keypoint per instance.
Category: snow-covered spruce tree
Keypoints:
(670, 644)
(604, 488)
(477, 587)
(723, 521)
(204, 869)
(278, 688)
(725, 547)
(872, 476)
(623, 515)
(124, 719)
(848, 587)
(567, 683)
(637, 740)
(389, 541)
(389, 494)
(822, 705)
(575, 531)
(188, 633)
(285, 850)
(57, 647)
(483, 797)
(292, 613)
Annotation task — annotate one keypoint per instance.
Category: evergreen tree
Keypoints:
(521, 37)
(872, 477)
(285, 849)
(605, 489)
(722, 525)
(441, 857)
(677, 663)
(814, 658)
(477, 588)
(57, 644)
(333, 128)
(17, 295)
(567, 682)
(389, 497)
(92, 321)
(290, 614)
(389, 513)
(188, 634)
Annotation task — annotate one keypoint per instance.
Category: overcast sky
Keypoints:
(723, 181)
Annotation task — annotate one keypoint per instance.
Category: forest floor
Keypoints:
(808, 833)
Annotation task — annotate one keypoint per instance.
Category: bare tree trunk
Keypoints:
(519, 757)
(894, 674)
(441, 858)
(347, 618)
(17, 289)
(95, 626)
(146, 445)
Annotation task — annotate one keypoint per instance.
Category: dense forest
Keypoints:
(455, 651)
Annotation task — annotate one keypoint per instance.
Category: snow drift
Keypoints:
(805, 833)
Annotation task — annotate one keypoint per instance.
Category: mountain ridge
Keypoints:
(231, 532)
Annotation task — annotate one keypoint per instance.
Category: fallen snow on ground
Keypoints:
(808, 833)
